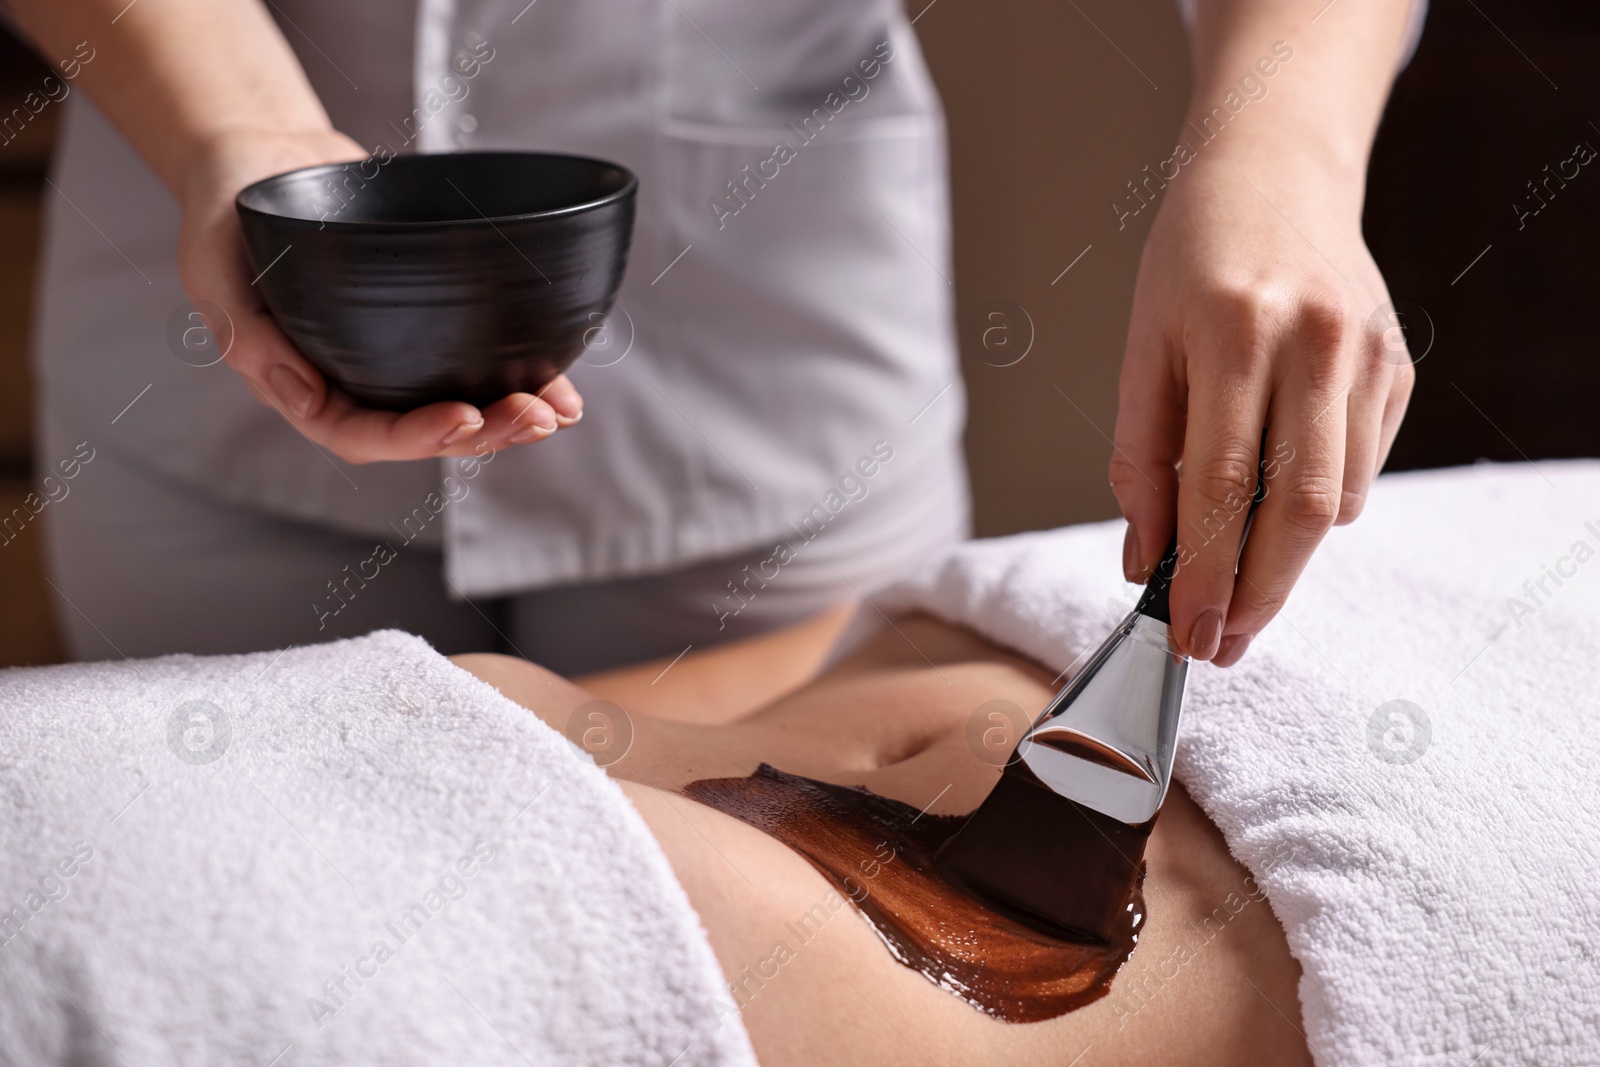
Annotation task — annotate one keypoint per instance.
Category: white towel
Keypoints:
(183, 887)
(1435, 869)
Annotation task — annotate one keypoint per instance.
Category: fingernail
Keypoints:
(465, 429)
(570, 420)
(1205, 634)
(531, 433)
(293, 391)
(1130, 556)
(1232, 649)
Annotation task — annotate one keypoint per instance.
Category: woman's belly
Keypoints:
(1211, 980)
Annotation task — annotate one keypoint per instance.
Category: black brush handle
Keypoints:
(1153, 602)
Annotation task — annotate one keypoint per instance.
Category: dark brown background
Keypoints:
(1048, 117)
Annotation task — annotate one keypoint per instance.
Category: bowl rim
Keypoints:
(629, 188)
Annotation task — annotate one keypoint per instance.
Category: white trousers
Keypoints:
(146, 565)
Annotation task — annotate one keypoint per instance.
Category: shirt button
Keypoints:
(467, 123)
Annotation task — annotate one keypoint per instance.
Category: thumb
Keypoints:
(218, 280)
(266, 359)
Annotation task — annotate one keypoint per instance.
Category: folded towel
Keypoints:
(349, 853)
(1405, 759)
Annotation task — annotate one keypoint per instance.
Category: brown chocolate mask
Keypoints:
(879, 853)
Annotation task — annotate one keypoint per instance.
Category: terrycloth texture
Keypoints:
(162, 910)
(1444, 909)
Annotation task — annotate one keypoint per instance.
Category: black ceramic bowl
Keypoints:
(441, 277)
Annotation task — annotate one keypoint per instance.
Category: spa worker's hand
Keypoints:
(1258, 305)
(210, 94)
(212, 264)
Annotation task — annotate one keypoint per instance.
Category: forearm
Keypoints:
(173, 75)
(1320, 107)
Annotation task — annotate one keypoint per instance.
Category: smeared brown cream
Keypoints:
(879, 854)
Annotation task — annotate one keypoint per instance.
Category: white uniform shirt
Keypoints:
(787, 303)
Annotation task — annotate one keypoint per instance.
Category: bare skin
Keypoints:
(725, 682)
(1194, 992)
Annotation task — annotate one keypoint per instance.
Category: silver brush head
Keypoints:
(1058, 843)
(1107, 739)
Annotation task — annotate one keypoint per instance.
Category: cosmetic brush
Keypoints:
(1058, 844)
